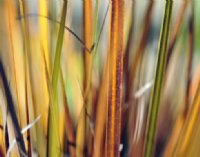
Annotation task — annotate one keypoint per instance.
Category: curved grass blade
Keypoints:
(11, 108)
(53, 134)
(158, 82)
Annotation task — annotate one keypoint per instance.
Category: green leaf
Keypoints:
(158, 82)
(53, 135)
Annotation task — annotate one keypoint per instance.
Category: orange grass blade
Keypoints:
(113, 129)
(82, 132)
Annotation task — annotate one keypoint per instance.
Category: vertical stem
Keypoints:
(53, 130)
(87, 12)
(113, 130)
(158, 81)
(82, 132)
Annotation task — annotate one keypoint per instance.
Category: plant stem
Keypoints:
(113, 130)
(158, 82)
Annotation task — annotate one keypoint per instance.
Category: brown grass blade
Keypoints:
(113, 129)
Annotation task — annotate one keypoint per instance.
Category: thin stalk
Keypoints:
(113, 127)
(82, 132)
(158, 82)
(87, 12)
(53, 131)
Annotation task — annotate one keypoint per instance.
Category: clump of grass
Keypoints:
(91, 87)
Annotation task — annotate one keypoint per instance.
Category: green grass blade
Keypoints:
(158, 81)
(53, 135)
(56, 66)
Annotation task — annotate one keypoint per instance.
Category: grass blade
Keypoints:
(158, 81)
(113, 130)
(82, 131)
(53, 134)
